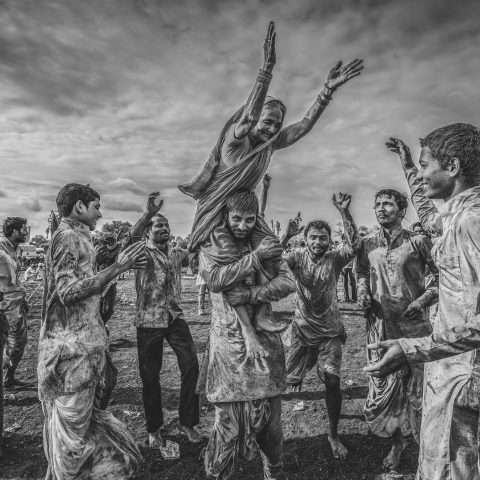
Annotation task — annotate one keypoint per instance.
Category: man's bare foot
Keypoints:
(192, 435)
(255, 348)
(338, 450)
(392, 460)
(155, 440)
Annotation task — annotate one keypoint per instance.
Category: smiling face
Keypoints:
(318, 241)
(241, 224)
(269, 124)
(159, 230)
(437, 182)
(387, 211)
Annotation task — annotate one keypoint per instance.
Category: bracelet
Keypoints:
(264, 76)
(250, 294)
(322, 99)
(330, 90)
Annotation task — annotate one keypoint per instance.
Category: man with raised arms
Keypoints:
(317, 330)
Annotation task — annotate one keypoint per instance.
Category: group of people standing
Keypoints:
(244, 370)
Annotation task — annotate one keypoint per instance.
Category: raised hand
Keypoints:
(266, 181)
(293, 227)
(400, 148)
(132, 257)
(338, 75)
(343, 201)
(269, 55)
(152, 206)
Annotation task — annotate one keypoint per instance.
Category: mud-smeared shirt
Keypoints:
(393, 272)
(71, 349)
(233, 376)
(158, 286)
(12, 292)
(317, 313)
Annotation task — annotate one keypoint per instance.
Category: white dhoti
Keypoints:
(83, 442)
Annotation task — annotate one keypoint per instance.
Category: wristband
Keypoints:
(264, 76)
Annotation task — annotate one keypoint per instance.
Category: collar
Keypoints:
(76, 225)
(396, 233)
(152, 246)
(8, 244)
(467, 198)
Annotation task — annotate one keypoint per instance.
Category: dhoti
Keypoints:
(83, 442)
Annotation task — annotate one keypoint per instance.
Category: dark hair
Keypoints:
(458, 140)
(13, 223)
(243, 201)
(400, 198)
(150, 223)
(70, 194)
(274, 103)
(318, 225)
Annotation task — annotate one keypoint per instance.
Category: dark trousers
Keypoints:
(150, 355)
(348, 276)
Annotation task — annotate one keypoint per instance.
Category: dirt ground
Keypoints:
(306, 448)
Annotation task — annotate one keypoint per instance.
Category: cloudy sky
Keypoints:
(130, 95)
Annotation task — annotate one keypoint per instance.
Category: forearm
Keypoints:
(350, 230)
(220, 278)
(426, 210)
(296, 131)
(263, 201)
(429, 297)
(136, 232)
(280, 287)
(363, 284)
(254, 105)
(442, 344)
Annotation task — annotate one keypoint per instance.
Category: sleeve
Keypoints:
(291, 259)
(424, 246)
(462, 338)
(71, 285)
(223, 277)
(426, 210)
(11, 294)
(363, 269)
(281, 286)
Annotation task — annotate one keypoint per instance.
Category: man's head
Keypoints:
(79, 202)
(418, 229)
(450, 160)
(15, 229)
(158, 230)
(317, 235)
(241, 211)
(390, 207)
(270, 122)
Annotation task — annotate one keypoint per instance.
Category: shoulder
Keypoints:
(468, 223)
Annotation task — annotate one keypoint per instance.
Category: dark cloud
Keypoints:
(130, 96)
(31, 204)
(2, 194)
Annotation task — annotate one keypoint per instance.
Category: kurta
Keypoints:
(231, 375)
(452, 381)
(394, 274)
